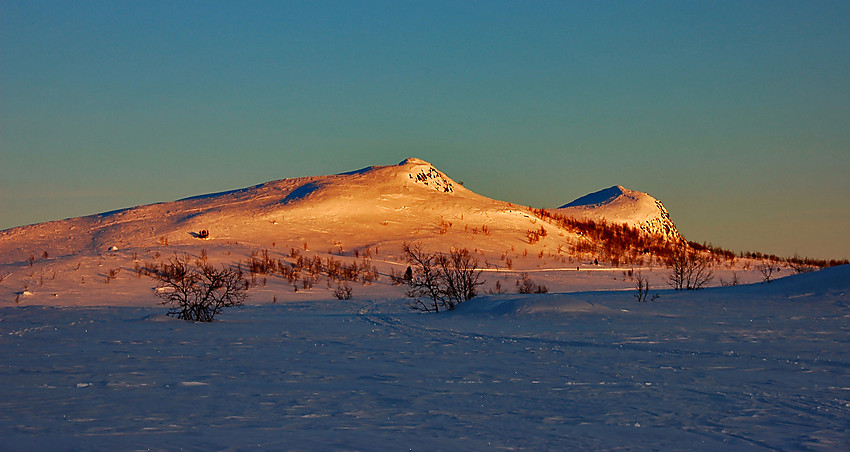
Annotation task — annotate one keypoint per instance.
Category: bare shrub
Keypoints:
(535, 235)
(342, 292)
(497, 289)
(396, 278)
(525, 285)
(642, 288)
(732, 282)
(444, 226)
(440, 280)
(307, 282)
(112, 274)
(767, 268)
(802, 268)
(198, 292)
(261, 263)
(690, 269)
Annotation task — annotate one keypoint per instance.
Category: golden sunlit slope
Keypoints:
(621, 205)
(372, 211)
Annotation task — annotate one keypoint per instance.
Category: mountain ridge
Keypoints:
(414, 196)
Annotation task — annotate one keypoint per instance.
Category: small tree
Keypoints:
(198, 292)
(440, 280)
(690, 269)
(767, 268)
(642, 288)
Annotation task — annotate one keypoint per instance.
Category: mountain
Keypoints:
(621, 205)
(404, 202)
(369, 212)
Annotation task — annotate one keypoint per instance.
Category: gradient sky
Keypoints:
(735, 114)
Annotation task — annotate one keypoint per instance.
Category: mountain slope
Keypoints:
(370, 212)
(401, 202)
(621, 205)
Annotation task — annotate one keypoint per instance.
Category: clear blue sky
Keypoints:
(735, 114)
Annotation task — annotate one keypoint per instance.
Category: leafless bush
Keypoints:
(307, 282)
(198, 292)
(441, 280)
(802, 268)
(398, 279)
(690, 270)
(497, 289)
(444, 226)
(767, 268)
(642, 288)
(342, 292)
(733, 282)
(535, 235)
(525, 285)
(112, 274)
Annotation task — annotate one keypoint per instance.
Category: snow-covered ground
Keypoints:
(748, 367)
(89, 361)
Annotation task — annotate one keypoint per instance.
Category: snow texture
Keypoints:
(758, 368)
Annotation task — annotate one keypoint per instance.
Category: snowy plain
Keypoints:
(758, 367)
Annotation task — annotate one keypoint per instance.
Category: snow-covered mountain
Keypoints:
(371, 212)
(621, 205)
(378, 204)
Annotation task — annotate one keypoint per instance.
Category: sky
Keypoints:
(735, 114)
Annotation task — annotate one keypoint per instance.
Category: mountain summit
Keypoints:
(618, 204)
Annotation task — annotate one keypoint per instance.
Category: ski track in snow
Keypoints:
(706, 373)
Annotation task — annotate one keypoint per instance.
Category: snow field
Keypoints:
(750, 367)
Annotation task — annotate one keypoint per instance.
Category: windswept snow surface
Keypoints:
(748, 367)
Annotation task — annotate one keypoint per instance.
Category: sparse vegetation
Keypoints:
(260, 263)
(767, 269)
(690, 269)
(342, 292)
(440, 281)
(642, 288)
(535, 235)
(732, 282)
(112, 274)
(525, 285)
(497, 288)
(198, 292)
(800, 267)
